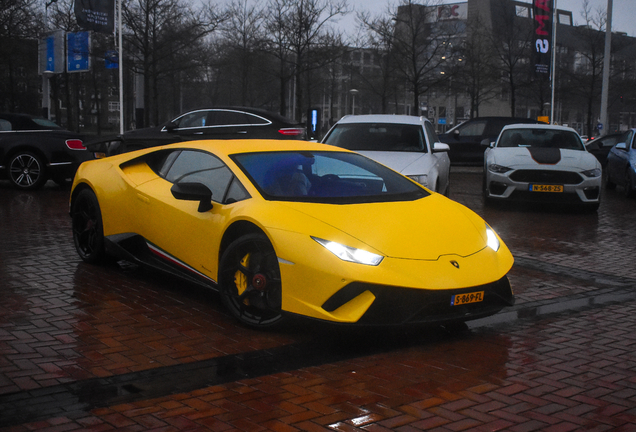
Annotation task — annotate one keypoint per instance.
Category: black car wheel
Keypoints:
(88, 232)
(27, 171)
(250, 282)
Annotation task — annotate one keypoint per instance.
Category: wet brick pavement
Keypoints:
(120, 348)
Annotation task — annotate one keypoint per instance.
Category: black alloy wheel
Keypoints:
(250, 282)
(27, 171)
(88, 232)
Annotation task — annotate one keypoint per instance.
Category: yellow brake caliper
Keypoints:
(240, 279)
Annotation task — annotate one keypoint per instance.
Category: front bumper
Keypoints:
(576, 187)
(399, 306)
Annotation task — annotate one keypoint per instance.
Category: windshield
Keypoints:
(325, 177)
(546, 138)
(378, 137)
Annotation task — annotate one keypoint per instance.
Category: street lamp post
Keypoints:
(353, 92)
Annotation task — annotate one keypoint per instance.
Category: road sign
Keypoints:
(78, 50)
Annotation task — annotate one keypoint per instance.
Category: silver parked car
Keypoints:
(621, 163)
(541, 163)
(407, 144)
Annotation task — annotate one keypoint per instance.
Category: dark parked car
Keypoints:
(465, 139)
(200, 124)
(600, 147)
(621, 164)
(34, 150)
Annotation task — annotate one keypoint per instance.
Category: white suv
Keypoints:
(407, 144)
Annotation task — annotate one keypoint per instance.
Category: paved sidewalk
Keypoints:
(119, 348)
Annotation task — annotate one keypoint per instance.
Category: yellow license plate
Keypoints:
(546, 188)
(460, 299)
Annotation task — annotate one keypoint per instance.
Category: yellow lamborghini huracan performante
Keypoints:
(284, 228)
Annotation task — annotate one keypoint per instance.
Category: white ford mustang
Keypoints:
(541, 163)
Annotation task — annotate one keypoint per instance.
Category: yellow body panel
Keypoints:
(418, 239)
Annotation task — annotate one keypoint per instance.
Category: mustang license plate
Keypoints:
(460, 299)
(546, 188)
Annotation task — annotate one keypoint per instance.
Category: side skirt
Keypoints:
(136, 249)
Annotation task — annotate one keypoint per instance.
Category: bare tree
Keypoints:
(296, 29)
(477, 71)
(165, 37)
(422, 46)
(510, 38)
(586, 74)
(243, 37)
(19, 20)
(382, 81)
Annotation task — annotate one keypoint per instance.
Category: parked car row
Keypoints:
(33, 150)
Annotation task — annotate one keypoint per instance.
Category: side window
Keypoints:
(229, 118)
(5, 125)
(627, 139)
(432, 135)
(631, 138)
(495, 126)
(256, 120)
(475, 128)
(193, 120)
(200, 167)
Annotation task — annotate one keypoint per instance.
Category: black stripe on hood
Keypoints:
(545, 155)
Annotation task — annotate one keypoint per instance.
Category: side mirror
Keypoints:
(439, 147)
(621, 146)
(193, 192)
(456, 133)
(486, 143)
(170, 126)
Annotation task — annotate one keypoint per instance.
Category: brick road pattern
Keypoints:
(63, 322)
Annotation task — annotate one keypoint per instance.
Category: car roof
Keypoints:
(227, 147)
(538, 126)
(252, 110)
(383, 118)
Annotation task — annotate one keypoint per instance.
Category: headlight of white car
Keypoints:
(347, 253)
(421, 179)
(596, 172)
(499, 169)
(491, 239)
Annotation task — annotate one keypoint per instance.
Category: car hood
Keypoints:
(423, 229)
(407, 163)
(523, 157)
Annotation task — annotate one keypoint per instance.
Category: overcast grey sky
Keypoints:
(623, 16)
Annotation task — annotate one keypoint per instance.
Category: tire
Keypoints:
(27, 171)
(484, 190)
(88, 229)
(250, 283)
(628, 190)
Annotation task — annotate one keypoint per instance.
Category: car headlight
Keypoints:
(499, 169)
(421, 179)
(347, 253)
(491, 239)
(596, 172)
